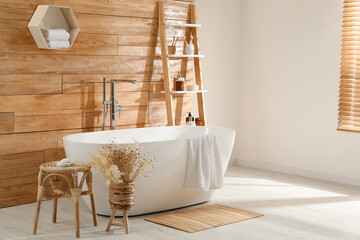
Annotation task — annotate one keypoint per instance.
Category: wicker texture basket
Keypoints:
(122, 196)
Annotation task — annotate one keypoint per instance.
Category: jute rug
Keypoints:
(202, 218)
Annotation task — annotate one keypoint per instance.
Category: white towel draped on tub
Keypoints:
(204, 169)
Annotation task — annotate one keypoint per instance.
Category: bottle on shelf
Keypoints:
(190, 49)
(179, 83)
(190, 120)
(198, 122)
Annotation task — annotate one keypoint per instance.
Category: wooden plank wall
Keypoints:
(48, 94)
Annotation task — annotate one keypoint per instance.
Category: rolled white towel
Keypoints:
(55, 34)
(58, 44)
(65, 162)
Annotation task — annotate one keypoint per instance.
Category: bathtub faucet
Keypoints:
(112, 103)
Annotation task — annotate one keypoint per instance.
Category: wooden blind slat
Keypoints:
(354, 39)
(349, 90)
(347, 114)
(350, 100)
(351, 53)
(350, 44)
(352, 86)
(344, 80)
(349, 104)
(346, 34)
(353, 24)
(349, 97)
(347, 119)
(349, 15)
(351, 1)
(348, 128)
(349, 29)
(350, 48)
(349, 109)
(350, 71)
(352, 10)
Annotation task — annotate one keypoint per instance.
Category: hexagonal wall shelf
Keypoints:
(52, 17)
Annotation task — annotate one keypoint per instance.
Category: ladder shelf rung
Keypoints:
(184, 56)
(172, 24)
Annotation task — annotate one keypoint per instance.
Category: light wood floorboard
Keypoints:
(293, 207)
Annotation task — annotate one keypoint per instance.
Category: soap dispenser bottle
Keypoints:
(190, 120)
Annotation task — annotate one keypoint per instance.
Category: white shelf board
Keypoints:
(171, 24)
(183, 92)
(185, 56)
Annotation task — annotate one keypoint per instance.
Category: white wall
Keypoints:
(272, 70)
(220, 45)
(288, 92)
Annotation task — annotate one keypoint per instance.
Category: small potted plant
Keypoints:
(121, 165)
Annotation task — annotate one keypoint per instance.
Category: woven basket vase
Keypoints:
(122, 196)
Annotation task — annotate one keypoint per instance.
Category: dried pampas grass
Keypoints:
(121, 163)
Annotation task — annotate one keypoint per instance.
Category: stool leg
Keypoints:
(77, 224)
(38, 200)
(111, 220)
(90, 189)
(126, 222)
(54, 210)
(76, 192)
(37, 213)
(93, 209)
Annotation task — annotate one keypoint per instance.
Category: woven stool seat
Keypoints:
(51, 167)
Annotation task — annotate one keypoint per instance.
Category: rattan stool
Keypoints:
(64, 183)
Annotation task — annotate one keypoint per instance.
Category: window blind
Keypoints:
(349, 96)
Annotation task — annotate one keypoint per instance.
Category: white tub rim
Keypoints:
(69, 140)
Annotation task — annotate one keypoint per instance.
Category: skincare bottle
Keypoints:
(179, 83)
(190, 120)
(175, 79)
(198, 122)
(190, 47)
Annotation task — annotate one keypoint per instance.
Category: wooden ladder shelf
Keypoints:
(166, 58)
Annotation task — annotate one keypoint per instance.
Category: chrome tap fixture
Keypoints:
(112, 103)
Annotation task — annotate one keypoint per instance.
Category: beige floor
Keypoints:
(294, 208)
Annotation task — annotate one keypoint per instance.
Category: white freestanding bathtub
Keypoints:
(164, 188)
